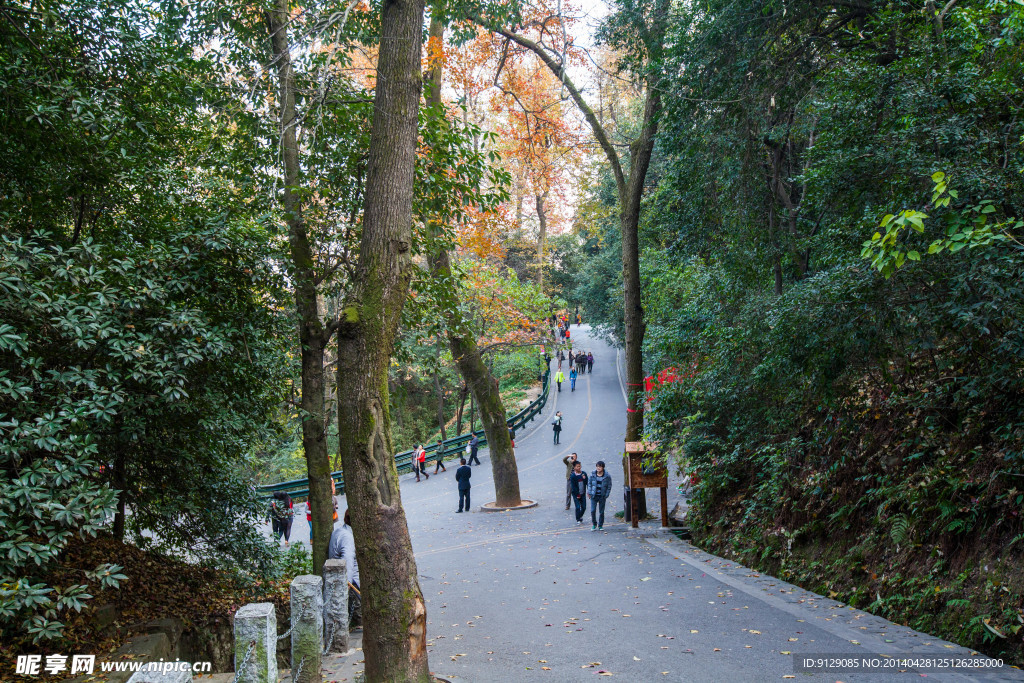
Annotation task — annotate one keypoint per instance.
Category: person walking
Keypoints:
(474, 444)
(578, 489)
(439, 452)
(556, 425)
(309, 520)
(462, 476)
(598, 487)
(281, 515)
(572, 378)
(559, 378)
(419, 461)
(343, 547)
(590, 362)
(570, 463)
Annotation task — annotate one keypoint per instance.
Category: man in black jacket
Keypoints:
(462, 476)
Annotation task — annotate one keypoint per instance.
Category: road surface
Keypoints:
(528, 595)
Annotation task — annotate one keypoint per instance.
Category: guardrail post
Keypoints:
(307, 594)
(336, 606)
(256, 643)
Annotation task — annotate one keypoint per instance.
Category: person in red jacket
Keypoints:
(420, 458)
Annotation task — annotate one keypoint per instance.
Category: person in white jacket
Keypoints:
(343, 547)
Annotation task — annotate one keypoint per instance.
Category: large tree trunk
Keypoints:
(120, 478)
(542, 237)
(312, 336)
(492, 414)
(439, 390)
(466, 353)
(630, 198)
(460, 413)
(395, 617)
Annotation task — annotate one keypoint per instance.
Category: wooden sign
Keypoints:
(640, 476)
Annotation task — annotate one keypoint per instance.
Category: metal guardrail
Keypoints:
(453, 447)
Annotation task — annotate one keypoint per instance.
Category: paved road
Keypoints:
(528, 595)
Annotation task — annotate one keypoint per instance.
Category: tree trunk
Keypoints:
(120, 478)
(463, 393)
(312, 335)
(492, 414)
(641, 150)
(465, 351)
(542, 218)
(395, 617)
(440, 400)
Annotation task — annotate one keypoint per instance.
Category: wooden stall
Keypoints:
(649, 475)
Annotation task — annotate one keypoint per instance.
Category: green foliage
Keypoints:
(965, 228)
(140, 353)
(831, 404)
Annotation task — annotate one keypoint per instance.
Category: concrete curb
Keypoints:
(525, 505)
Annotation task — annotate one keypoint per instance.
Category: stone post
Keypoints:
(307, 628)
(336, 606)
(256, 643)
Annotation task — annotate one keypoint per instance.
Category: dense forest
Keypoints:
(801, 220)
(837, 186)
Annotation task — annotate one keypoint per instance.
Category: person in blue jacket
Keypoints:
(598, 487)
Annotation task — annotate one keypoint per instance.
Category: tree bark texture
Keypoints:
(542, 237)
(395, 618)
(492, 414)
(466, 353)
(630, 196)
(312, 336)
(439, 390)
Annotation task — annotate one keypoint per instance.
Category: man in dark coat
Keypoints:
(462, 476)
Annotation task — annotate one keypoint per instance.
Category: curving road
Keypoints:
(528, 595)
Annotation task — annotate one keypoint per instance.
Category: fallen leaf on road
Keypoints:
(785, 652)
(693, 630)
(756, 633)
(635, 658)
(546, 668)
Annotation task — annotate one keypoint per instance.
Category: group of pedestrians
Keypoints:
(583, 362)
(419, 459)
(580, 363)
(581, 487)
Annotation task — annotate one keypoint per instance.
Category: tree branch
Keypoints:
(558, 69)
